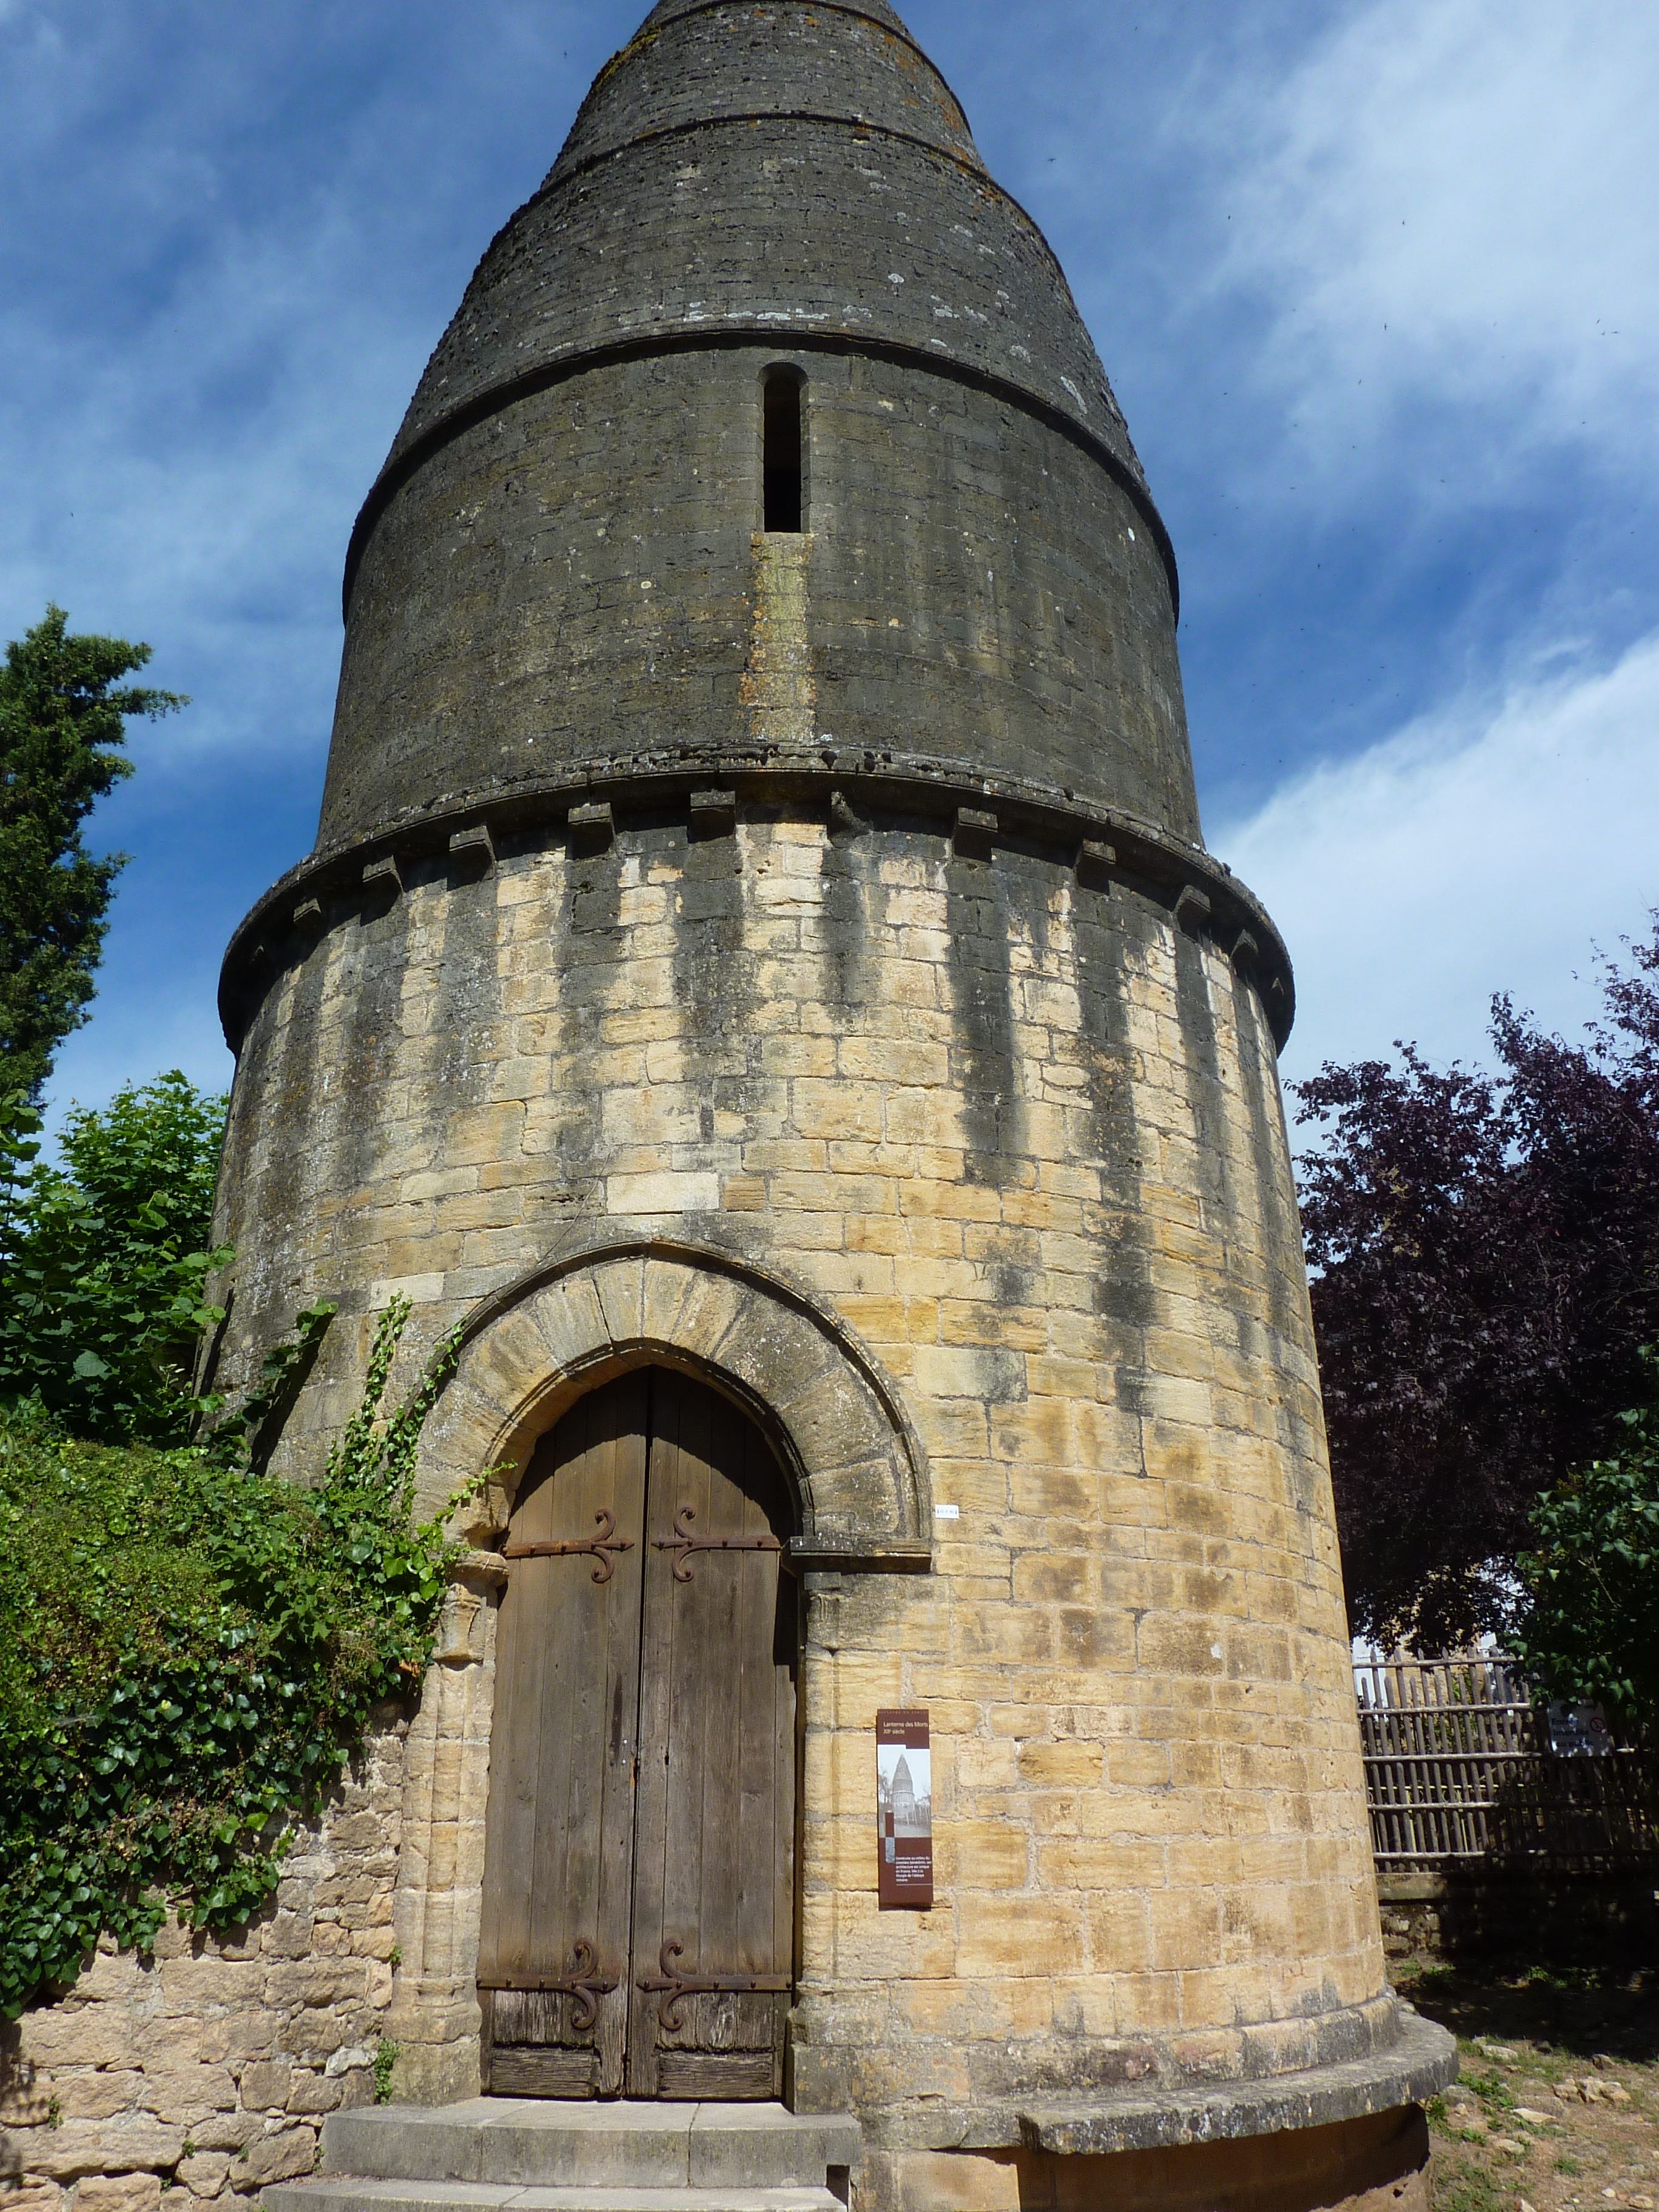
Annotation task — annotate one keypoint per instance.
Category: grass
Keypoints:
(1521, 2035)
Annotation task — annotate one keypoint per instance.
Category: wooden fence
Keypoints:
(1462, 1764)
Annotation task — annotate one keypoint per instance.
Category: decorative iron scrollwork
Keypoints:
(671, 1988)
(584, 1981)
(683, 1542)
(601, 1546)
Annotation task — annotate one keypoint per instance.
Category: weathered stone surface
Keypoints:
(172, 2070)
(187, 2093)
(1079, 1434)
(205, 2173)
(314, 2093)
(502, 2142)
(85, 2094)
(998, 666)
(82, 2035)
(35, 2197)
(266, 2085)
(124, 2192)
(1422, 2060)
(276, 2157)
(962, 1164)
(80, 2148)
(1377, 2164)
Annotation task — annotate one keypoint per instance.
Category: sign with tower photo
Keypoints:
(904, 1808)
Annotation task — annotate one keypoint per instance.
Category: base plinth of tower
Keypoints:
(1379, 2163)
(1350, 2135)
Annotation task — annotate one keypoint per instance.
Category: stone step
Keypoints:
(348, 2193)
(518, 2143)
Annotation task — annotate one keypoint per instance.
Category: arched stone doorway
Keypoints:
(836, 1424)
(636, 1931)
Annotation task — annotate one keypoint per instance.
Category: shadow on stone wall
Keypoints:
(1513, 1918)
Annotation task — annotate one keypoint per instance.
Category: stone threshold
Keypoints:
(1421, 2061)
(520, 2144)
(346, 2193)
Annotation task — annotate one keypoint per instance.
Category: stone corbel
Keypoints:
(460, 1636)
(975, 833)
(1192, 909)
(591, 828)
(382, 878)
(1095, 864)
(472, 849)
(713, 813)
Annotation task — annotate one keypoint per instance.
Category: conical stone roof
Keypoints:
(837, 64)
(559, 577)
(791, 167)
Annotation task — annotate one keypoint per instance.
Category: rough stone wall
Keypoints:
(1509, 1918)
(1025, 1138)
(207, 2069)
(689, 67)
(867, 237)
(982, 593)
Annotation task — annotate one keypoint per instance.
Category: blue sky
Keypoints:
(1376, 281)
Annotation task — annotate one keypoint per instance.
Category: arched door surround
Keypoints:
(845, 1448)
(824, 1404)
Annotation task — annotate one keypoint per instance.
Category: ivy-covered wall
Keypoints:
(207, 2068)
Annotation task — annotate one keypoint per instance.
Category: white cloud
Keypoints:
(196, 486)
(1478, 176)
(1484, 847)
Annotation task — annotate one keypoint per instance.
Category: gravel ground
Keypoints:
(1558, 2101)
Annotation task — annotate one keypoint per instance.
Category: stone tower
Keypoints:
(759, 977)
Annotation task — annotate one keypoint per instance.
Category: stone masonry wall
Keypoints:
(1511, 1917)
(205, 2071)
(867, 237)
(982, 593)
(1024, 1137)
(678, 71)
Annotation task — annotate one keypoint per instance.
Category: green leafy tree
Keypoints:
(1588, 1630)
(189, 1647)
(63, 717)
(104, 1259)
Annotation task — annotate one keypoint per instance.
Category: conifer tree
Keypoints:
(63, 716)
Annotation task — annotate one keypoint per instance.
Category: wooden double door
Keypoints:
(637, 1933)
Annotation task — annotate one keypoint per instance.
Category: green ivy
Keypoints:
(189, 1647)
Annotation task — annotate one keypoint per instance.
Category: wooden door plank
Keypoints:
(522, 1658)
(756, 1932)
(715, 1843)
(619, 1718)
(651, 1840)
(559, 1839)
(568, 1607)
(718, 1651)
(767, 1933)
(785, 1737)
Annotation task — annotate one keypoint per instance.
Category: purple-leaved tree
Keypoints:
(1485, 1258)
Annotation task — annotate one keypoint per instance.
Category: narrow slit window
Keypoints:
(782, 462)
